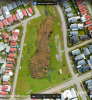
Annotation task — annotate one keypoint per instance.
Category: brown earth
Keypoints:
(39, 64)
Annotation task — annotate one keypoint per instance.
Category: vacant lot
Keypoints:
(25, 82)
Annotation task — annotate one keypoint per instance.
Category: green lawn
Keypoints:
(27, 6)
(81, 32)
(25, 82)
(70, 2)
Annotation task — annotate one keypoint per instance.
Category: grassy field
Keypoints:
(25, 82)
(81, 32)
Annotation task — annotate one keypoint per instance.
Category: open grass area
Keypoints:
(25, 82)
(81, 32)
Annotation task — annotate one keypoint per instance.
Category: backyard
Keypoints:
(25, 83)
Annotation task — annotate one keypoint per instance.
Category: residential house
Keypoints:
(74, 39)
(75, 52)
(29, 14)
(6, 78)
(9, 66)
(13, 44)
(88, 23)
(88, 81)
(84, 13)
(11, 55)
(1, 26)
(69, 15)
(73, 33)
(23, 2)
(19, 2)
(68, 94)
(90, 33)
(3, 94)
(90, 62)
(66, 5)
(81, 8)
(90, 87)
(1, 12)
(90, 28)
(30, 10)
(1, 17)
(14, 18)
(80, 2)
(5, 36)
(83, 37)
(68, 10)
(24, 13)
(74, 27)
(9, 19)
(3, 67)
(10, 60)
(80, 26)
(72, 20)
(6, 88)
(19, 14)
(2, 47)
(85, 18)
(90, 48)
(81, 62)
(84, 68)
(15, 32)
(79, 57)
(86, 51)
(73, 93)
(12, 50)
(14, 4)
(8, 72)
(63, 96)
(6, 12)
(9, 6)
(4, 22)
(6, 83)
(13, 38)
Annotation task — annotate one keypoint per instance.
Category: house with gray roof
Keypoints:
(83, 37)
(90, 48)
(88, 81)
(14, 4)
(86, 51)
(70, 15)
(19, 2)
(90, 87)
(66, 5)
(24, 3)
(84, 68)
(74, 27)
(9, 6)
(72, 20)
(74, 39)
(74, 33)
(79, 57)
(90, 62)
(81, 62)
(68, 10)
(75, 52)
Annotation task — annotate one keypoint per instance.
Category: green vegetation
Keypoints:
(27, 6)
(73, 9)
(12, 12)
(16, 9)
(81, 32)
(70, 2)
(25, 82)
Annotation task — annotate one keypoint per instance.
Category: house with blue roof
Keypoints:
(14, 4)
(86, 51)
(69, 15)
(79, 57)
(84, 68)
(75, 52)
(81, 62)
(68, 10)
(90, 48)
(9, 6)
(90, 62)
(74, 33)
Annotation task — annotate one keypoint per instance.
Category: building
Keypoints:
(12, 50)
(66, 5)
(75, 52)
(13, 38)
(23, 2)
(83, 13)
(9, 19)
(74, 27)
(88, 81)
(30, 10)
(81, 62)
(6, 88)
(9, 66)
(90, 87)
(79, 57)
(11, 55)
(15, 32)
(24, 13)
(6, 78)
(90, 48)
(9, 6)
(68, 94)
(80, 26)
(14, 4)
(90, 62)
(83, 37)
(80, 2)
(4, 22)
(85, 18)
(88, 23)
(68, 10)
(19, 2)
(19, 14)
(86, 51)
(5, 35)
(10, 60)
(1, 26)
(72, 20)
(84, 68)
(1, 17)
(1, 12)
(14, 18)
(3, 94)
(73, 93)
(74, 39)
(73, 33)
(6, 83)
(8, 72)
(70, 15)
(90, 28)
(81, 8)
(29, 14)
(13, 44)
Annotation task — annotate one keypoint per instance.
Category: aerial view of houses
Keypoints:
(45, 48)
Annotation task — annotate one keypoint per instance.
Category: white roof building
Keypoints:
(63, 96)
(6, 78)
(68, 94)
(29, 14)
(3, 67)
(19, 14)
(80, 26)
(1, 17)
(73, 93)
(7, 49)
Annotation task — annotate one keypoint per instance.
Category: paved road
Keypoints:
(84, 43)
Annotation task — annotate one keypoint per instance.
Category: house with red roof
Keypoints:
(11, 55)
(13, 38)
(83, 13)
(15, 32)
(30, 10)
(13, 44)
(4, 22)
(10, 60)
(5, 35)
(9, 66)
(24, 12)
(6, 83)
(1, 26)
(87, 17)
(12, 50)
(82, 8)
(80, 2)
(9, 20)
(3, 94)
(14, 18)
(8, 72)
(90, 28)
(88, 22)
(6, 88)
